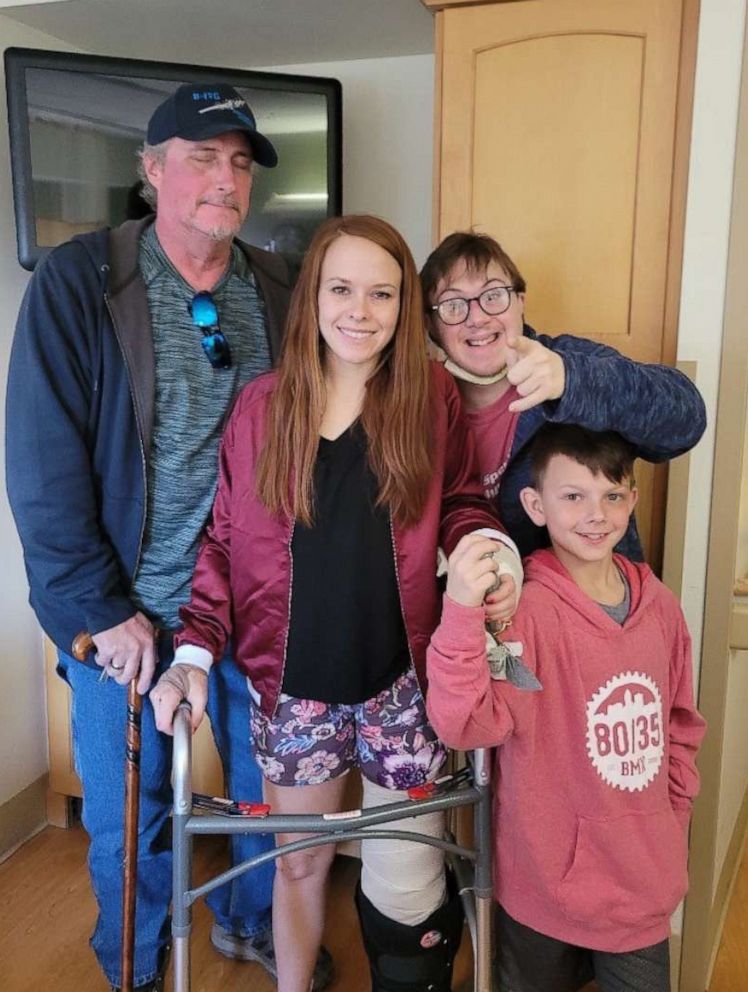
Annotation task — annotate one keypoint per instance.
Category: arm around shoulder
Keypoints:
(655, 407)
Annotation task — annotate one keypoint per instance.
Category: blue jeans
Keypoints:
(98, 730)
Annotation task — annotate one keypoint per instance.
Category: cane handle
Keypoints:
(82, 644)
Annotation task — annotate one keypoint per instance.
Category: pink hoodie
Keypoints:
(596, 776)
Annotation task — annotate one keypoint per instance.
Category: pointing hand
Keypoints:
(537, 372)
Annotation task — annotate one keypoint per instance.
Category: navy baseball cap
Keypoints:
(202, 110)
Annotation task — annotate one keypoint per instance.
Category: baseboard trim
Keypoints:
(23, 816)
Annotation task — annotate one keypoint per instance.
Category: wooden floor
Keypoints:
(47, 912)
(730, 972)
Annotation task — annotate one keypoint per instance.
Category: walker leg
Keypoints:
(482, 965)
(464, 873)
(483, 887)
(181, 959)
(181, 918)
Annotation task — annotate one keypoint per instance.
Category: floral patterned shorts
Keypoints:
(388, 737)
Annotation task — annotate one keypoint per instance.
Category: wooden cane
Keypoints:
(82, 644)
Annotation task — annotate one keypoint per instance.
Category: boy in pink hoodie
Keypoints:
(595, 773)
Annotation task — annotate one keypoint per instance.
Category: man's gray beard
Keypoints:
(222, 232)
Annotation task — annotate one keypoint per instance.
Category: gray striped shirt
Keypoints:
(620, 611)
(192, 399)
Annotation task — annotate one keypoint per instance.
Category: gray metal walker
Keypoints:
(471, 865)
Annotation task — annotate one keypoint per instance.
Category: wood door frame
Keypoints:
(677, 230)
(707, 899)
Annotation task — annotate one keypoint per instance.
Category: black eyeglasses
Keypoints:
(204, 313)
(491, 301)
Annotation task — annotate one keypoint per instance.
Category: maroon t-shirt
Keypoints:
(493, 429)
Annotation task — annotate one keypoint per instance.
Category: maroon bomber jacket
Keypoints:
(242, 582)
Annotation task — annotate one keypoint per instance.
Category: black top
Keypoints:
(347, 638)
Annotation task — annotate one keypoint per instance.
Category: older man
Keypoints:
(130, 346)
(513, 380)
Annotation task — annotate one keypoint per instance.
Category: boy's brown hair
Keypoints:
(473, 250)
(602, 452)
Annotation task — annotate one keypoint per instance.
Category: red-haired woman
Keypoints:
(340, 474)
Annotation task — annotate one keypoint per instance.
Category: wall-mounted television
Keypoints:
(76, 122)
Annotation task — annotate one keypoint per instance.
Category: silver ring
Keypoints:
(117, 668)
(497, 582)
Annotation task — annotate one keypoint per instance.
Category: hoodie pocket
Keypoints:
(629, 871)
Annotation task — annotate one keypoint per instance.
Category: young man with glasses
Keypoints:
(130, 347)
(513, 380)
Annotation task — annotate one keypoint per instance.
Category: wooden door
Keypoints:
(556, 127)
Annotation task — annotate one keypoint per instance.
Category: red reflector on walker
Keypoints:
(254, 809)
(424, 791)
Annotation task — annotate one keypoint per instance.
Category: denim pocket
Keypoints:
(629, 871)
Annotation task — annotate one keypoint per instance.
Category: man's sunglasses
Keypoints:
(204, 313)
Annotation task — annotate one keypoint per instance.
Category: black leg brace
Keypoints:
(411, 959)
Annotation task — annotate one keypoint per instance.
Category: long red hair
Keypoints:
(395, 414)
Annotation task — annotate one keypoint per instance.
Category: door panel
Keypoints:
(556, 169)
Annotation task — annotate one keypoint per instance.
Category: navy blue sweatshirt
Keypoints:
(655, 407)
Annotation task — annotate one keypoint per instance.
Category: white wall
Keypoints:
(387, 140)
(23, 734)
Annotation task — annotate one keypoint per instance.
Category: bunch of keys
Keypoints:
(499, 656)
(502, 663)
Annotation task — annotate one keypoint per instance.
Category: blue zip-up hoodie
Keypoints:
(79, 415)
(655, 407)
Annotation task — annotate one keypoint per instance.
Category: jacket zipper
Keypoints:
(400, 597)
(288, 619)
(141, 443)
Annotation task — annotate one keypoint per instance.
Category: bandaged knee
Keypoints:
(404, 880)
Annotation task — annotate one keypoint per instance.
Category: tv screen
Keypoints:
(76, 122)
